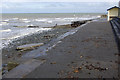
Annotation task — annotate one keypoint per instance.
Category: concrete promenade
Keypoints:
(89, 53)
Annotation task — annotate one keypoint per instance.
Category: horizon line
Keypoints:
(50, 13)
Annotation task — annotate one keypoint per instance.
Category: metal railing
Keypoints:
(115, 22)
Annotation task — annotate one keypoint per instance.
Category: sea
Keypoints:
(14, 25)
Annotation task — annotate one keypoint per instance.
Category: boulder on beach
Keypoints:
(20, 26)
(103, 16)
(29, 46)
(11, 65)
(33, 26)
(49, 36)
(78, 23)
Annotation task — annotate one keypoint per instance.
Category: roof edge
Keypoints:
(112, 8)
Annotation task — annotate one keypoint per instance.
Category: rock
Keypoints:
(49, 36)
(79, 68)
(9, 56)
(20, 26)
(81, 56)
(76, 71)
(69, 51)
(78, 23)
(4, 65)
(72, 62)
(11, 65)
(117, 54)
(92, 67)
(98, 63)
(6, 55)
(53, 63)
(4, 71)
(43, 59)
(29, 46)
(88, 57)
(89, 73)
(33, 26)
(68, 65)
(103, 16)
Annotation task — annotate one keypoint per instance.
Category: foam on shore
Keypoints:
(20, 34)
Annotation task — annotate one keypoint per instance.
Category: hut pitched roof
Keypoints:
(112, 8)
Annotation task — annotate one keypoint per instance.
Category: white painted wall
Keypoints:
(113, 13)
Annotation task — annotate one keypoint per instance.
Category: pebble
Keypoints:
(4, 65)
(76, 71)
(89, 73)
(72, 62)
(81, 56)
(79, 68)
(98, 63)
(92, 67)
(107, 68)
(4, 71)
(6, 55)
(9, 56)
(53, 63)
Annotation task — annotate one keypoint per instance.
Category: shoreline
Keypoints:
(34, 38)
(11, 55)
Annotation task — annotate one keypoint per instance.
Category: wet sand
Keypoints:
(90, 53)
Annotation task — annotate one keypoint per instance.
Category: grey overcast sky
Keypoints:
(56, 7)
